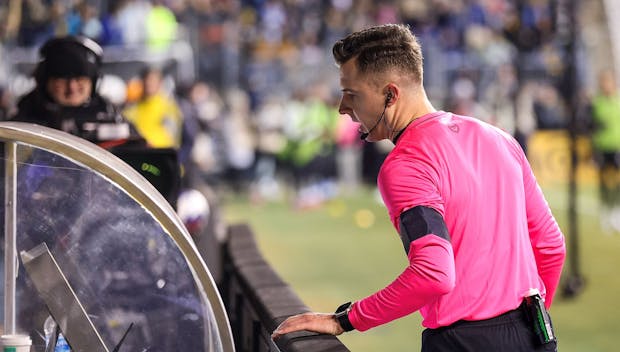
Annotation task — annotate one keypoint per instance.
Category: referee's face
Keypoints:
(361, 100)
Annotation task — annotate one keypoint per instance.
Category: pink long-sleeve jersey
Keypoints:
(503, 237)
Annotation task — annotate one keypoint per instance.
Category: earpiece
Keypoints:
(388, 98)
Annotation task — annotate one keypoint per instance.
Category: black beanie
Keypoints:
(70, 59)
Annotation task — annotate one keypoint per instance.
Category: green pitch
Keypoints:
(347, 249)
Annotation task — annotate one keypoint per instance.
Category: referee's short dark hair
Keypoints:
(382, 48)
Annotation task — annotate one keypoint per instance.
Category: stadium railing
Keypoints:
(257, 300)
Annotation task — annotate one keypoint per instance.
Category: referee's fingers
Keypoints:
(292, 324)
(316, 322)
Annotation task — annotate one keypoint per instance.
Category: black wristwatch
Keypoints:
(342, 316)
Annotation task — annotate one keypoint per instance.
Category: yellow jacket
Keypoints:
(158, 119)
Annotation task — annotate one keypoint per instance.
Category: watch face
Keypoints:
(344, 307)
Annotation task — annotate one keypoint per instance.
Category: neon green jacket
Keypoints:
(606, 116)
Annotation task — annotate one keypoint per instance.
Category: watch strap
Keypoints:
(342, 316)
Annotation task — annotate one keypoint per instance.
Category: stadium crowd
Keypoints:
(263, 105)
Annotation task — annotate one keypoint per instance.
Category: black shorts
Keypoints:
(509, 332)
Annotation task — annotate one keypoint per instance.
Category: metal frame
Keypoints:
(113, 168)
(10, 250)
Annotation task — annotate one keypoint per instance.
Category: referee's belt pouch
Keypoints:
(538, 318)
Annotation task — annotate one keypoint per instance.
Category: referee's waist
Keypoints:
(515, 315)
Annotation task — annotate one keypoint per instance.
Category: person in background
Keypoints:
(161, 26)
(484, 250)
(54, 192)
(309, 152)
(239, 140)
(605, 108)
(156, 115)
(6, 103)
(65, 96)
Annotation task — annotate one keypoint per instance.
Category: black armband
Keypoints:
(342, 316)
(420, 221)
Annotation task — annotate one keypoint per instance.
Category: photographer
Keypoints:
(65, 96)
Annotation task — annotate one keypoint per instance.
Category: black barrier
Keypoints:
(257, 300)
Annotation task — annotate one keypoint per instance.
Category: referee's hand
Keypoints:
(323, 323)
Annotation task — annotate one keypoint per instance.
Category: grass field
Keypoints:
(347, 250)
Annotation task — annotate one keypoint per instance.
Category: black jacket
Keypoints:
(100, 122)
(97, 121)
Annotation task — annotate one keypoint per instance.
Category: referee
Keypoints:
(485, 253)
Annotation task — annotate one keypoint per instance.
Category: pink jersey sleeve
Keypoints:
(545, 234)
(430, 274)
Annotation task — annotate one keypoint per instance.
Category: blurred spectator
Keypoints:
(269, 121)
(60, 16)
(208, 152)
(310, 132)
(34, 23)
(6, 104)
(10, 18)
(66, 98)
(525, 123)
(191, 128)
(203, 150)
(464, 99)
(111, 31)
(349, 151)
(549, 109)
(87, 21)
(528, 24)
(240, 140)
(161, 26)
(500, 97)
(131, 19)
(273, 20)
(156, 115)
(606, 144)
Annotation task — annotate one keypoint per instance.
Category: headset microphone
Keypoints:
(388, 98)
